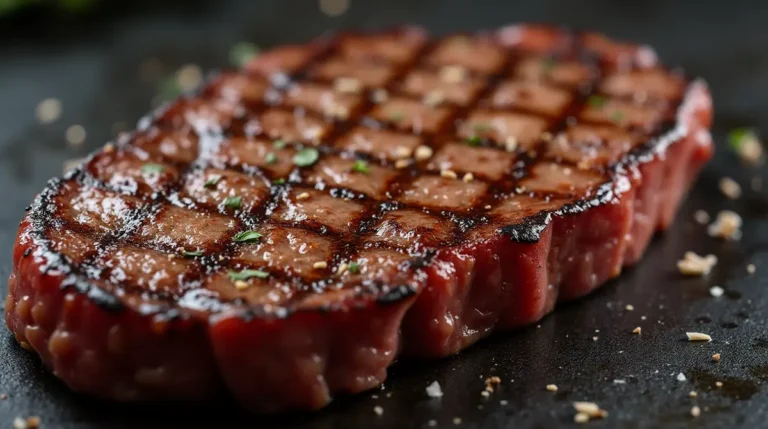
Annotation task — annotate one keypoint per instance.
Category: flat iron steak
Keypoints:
(286, 232)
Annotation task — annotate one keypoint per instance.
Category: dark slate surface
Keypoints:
(92, 63)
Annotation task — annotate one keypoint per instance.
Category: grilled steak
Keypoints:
(289, 230)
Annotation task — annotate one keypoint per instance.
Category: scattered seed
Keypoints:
(423, 153)
(693, 394)
(590, 408)
(48, 111)
(629, 307)
(320, 265)
(347, 85)
(453, 74)
(727, 225)
(468, 178)
(751, 268)
(681, 377)
(434, 390)
(701, 217)
(448, 174)
(581, 418)
(378, 410)
(637, 330)
(698, 336)
(342, 268)
(302, 196)
(241, 285)
(488, 207)
(485, 393)
(457, 420)
(716, 291)
(696, 265)
(695, 411)
(75, 135)
(716, 357)
(730, 188)
(551, 387)
(718, 384)
(510, 144)
(402, 163)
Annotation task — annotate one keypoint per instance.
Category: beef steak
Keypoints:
(287, 231)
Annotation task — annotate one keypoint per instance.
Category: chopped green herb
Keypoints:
(279, 181)
(547, 64)
(354, 267)
(596, 101)
(152, 168)
(738, 136)
(473, 140)
(306, 157)
(247, 274)
(279, 144)
(617, 116)
(191, 253)
(482, 127)
(242, 52)
(396, 116)
(246, 237)
(169, 89)
(233, 202)
(271, 158)
(361, 166)
(212, 181)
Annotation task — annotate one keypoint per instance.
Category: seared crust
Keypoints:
(524, 126)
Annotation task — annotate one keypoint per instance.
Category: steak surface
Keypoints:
(285, 233)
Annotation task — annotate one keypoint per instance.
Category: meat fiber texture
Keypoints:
(288, 231)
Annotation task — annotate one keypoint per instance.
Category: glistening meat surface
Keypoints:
(289, 230)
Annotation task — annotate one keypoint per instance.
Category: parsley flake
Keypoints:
(271, 158)
(247, 274)
(279, 181)
(306, 157)
(738, 136)
(279, 144)
(233, 202)
(473, 140)
(354, 267)
(191, 253)
(152, 168)
(212, 181)
(596, 101)
(361, 166)
(246, 237)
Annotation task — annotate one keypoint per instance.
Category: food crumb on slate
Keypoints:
(378, 410)
(727, 225)
(698, 336)
(730, 188)
(716, 357)
(637, 330)
(693, 264)
(552, 387)
(434, 390)
(716, 291)
(695, 411)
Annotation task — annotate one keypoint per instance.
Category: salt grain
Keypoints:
(716, 291)
(434, 390)
(681, 377)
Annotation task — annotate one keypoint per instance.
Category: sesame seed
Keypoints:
(581, 418)
(448, 174)
(241, 285)
(453, 74)
(629, 307)
(402, 163)
(457, 420)
(402, 152)
(378, 410)
(695, 411)
(423, 153)
(75, 135)
(551, 387)
(730, 188)
(302, 196)
(342, 268)
(320, 265)
(468, 178)
(485, 393)
(716, 357)
(48, 111)
(510, 144)
(693, 394)
(701, 217)
(590, 408)
(347, 85)
(637, 330)
(698, 336)
(751, 268)
(488, 207)
(716, 291)
(718, 384)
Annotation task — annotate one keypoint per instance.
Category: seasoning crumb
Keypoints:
(510, 144)
(698, 336)
(587, 410)
(716, 291)
(347, 85)
(751, 268)
(701, 217)
(693, 394)
(468, 178)
(551, 387)
(693, 264)
(681, 377)
(695, 411)
(402, 163)
(342, 268)
(488, 207)
(581, 418)
(594, 338)
(449, 174)
(434, 98)
(302, 196)
(730, 188)
(320, 265)
(718, 384)
(637, 330)
(434, 390)
(492, 382)
(727, 225)
(485, 393)
(48, 111)
(423, 152)
(241, 285)
(453, 74)
(629, 307)
(378, 410)
(457, 420)
(402, 152)
(716, 357)
(75, 135)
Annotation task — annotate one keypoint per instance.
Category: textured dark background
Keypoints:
(91, 63)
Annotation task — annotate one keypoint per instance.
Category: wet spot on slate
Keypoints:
(733, 387)
(733, 294)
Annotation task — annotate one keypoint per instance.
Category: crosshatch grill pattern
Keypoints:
(423, 144)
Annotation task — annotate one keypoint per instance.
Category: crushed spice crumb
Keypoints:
(637, 330)
(730, 188)
(716, 357)
(693, 264)
(727, 225)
